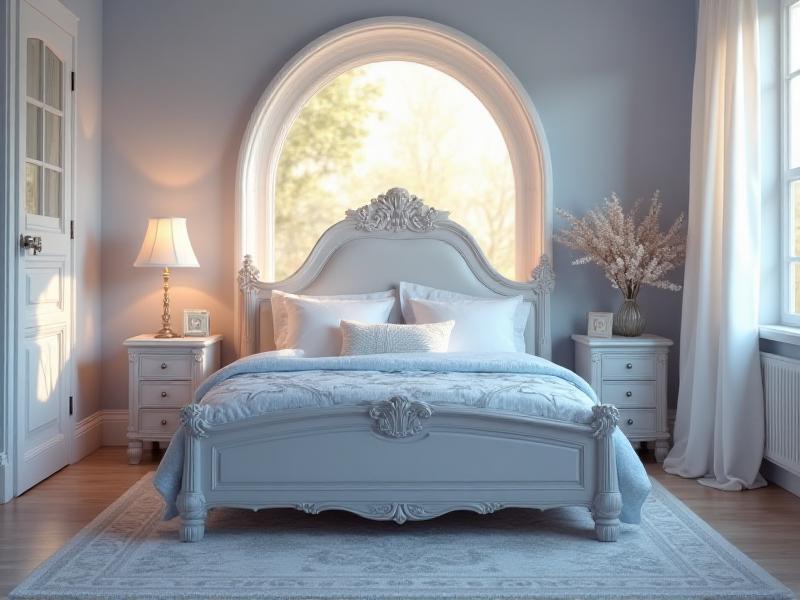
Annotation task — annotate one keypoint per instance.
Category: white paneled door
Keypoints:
(46, 50)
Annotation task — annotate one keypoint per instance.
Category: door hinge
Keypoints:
(72, 229)
(72, 80)
(70, 406)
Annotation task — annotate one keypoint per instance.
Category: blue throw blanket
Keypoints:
(514, 382)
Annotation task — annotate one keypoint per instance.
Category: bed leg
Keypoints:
(191, 501)
(606, 516)
(607, 504)
(192, 507)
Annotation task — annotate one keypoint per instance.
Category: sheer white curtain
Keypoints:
(719, 429)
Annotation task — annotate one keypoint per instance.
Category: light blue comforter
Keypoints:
(514, 382)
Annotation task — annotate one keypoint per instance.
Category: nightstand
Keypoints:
(631, 374)
(163, 375)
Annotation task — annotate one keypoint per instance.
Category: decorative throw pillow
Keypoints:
(280, 315)
(390, 338)
(415, 290)
(314, 323)
(481, 325)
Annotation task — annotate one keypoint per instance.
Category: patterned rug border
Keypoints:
(24, 590)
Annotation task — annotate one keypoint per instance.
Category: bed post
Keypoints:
(544, 282)
(191, 502)
(607, 501)
(248, 306)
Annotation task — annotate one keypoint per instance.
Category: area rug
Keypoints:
(128, 552)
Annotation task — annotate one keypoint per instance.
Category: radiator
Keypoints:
(782, 404)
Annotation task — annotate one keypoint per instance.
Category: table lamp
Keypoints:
(166, 244)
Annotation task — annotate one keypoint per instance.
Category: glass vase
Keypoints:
(628, 320)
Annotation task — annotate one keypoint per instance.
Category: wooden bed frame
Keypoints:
(397, 459)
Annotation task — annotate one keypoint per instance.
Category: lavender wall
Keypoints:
(611, 80)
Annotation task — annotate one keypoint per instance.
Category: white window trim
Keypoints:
(787, 175)
(780, 333)
(382, 39)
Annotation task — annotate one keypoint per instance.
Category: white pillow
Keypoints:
(314, 323)
(280, 316)
(286, 353)
(416, 290)
(383, 338)
(481, 325)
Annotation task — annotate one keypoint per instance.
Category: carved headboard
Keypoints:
(394, 238)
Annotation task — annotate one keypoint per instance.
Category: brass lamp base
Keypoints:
(166, 333)
(166, 330)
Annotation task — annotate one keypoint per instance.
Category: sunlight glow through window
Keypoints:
(394, 124)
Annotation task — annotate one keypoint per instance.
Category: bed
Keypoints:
(398, 437)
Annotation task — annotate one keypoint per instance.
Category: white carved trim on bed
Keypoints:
(214, 473)
(398, 417)
(397, 214)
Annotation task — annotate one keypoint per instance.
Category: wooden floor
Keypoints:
(765, 523)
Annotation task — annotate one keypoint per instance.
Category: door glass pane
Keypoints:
(33, 135)
(794, 122)
(52, 90)
(33, 176)
(794, 37)
(52, 193)
(34, 60)
(52, 139)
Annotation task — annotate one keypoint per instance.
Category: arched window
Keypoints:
(394, 102)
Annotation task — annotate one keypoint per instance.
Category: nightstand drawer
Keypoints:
(156, 394)
(635, 394)
(635, 421)
(629, 366)
(166, 366)
(165, 422)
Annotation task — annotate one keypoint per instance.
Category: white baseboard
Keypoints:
(115, 427)
(102, 428)
(781, 477)
(88, 436)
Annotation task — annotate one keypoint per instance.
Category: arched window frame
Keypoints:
(394, 39)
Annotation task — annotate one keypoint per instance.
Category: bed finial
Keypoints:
(193, 419)
(248, 274)
(543, 276)
(605, 419)
(396, 210)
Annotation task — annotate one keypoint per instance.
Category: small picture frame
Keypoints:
(196, 322)
(600, 324)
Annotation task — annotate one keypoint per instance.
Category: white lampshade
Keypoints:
(166, 244)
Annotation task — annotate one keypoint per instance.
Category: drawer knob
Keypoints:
(164, 421)
(630, 421)
(164, 394)
(163, 365)
(628, 393)
(628, 366)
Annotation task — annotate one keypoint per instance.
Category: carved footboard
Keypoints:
(399, 460)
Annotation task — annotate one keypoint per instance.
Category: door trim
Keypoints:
(10, 308)
(8, 251)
